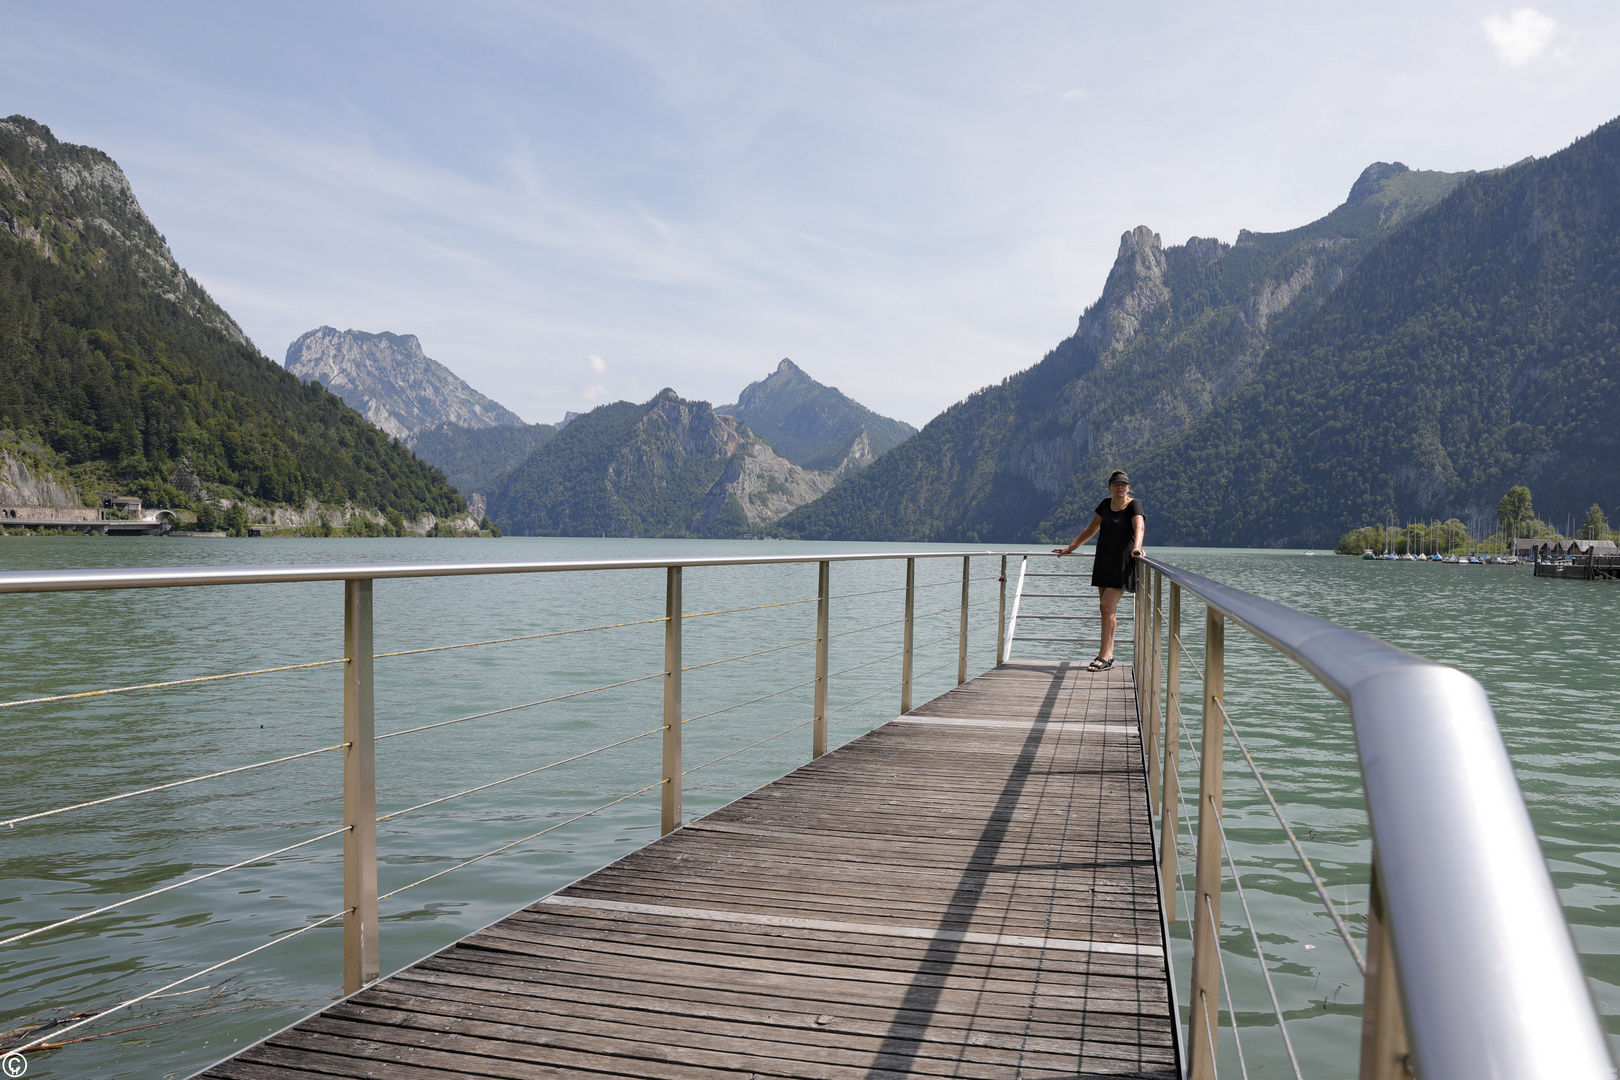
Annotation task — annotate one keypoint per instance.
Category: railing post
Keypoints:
(818, 738)
(905, 648)
(1384, 1053)
(1170, 799)
(961, 646)
(1203, 1034)
(672, 701)
(362, 962)
(1154, 713)
(1138, 650)
(1001, 618)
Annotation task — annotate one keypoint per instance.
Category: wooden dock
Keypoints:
(968, 891)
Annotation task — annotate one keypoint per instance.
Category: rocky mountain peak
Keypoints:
(1134, 288)
(814, 426)
(389, 379)
(1371, 180)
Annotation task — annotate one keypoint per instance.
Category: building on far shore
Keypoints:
(1559, 549)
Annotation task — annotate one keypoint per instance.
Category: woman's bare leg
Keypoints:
(1108, 600)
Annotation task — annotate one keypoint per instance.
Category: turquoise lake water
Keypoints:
(1543, 650)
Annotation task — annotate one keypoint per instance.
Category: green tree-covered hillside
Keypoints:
(624, 470)
(1476, 348)
(120, 363)
(1176, 331)
(476, 460)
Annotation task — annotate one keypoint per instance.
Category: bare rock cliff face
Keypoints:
(764, 483)
(390, 381)
(20, 487)
(1135, 287)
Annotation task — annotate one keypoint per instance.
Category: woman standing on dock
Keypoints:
(1118, 526)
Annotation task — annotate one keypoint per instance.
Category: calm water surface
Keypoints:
(1543, 650)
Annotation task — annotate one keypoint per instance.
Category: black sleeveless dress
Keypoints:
(1113, 568)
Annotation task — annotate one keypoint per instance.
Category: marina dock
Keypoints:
(969, 890)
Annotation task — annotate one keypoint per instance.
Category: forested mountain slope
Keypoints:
(1475, 349)
(815, 426)
(119, 362)
(668, 467)
(476, 460)
(1176, 331)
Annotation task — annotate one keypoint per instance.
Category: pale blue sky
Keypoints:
(573, 203)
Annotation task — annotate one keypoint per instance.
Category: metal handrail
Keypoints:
(34, 581)
(1489, 980)
(360, 911)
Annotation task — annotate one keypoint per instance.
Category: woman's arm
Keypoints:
(1086, 534)
(1140, 523)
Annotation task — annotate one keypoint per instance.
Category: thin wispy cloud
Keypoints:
(911, 201)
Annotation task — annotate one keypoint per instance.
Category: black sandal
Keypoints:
(1099, 664)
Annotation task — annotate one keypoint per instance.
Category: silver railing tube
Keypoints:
(1489, 977)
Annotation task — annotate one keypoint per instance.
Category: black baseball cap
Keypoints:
(1118, 477)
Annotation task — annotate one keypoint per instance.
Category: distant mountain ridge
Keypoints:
(1176, 331)
(815, 426)
(115, 361)
(389, 380)
(669, 467)
(477, 460)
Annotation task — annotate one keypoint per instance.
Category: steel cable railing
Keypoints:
(170, 888)
(170, 684)
(1248, 916)
(1299, 851)
(1470, 966)
(1226, 989)
(750, 701)
(525, 705)
(198, 680)
(752, 607)
(1260, 958)
(359, 744)
(509, 640)
(524, 840)
(55, 1036)
(515, 776)
(750, 746)
(749, 656)
(10, 822)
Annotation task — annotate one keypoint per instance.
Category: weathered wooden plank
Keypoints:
(969, 898)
